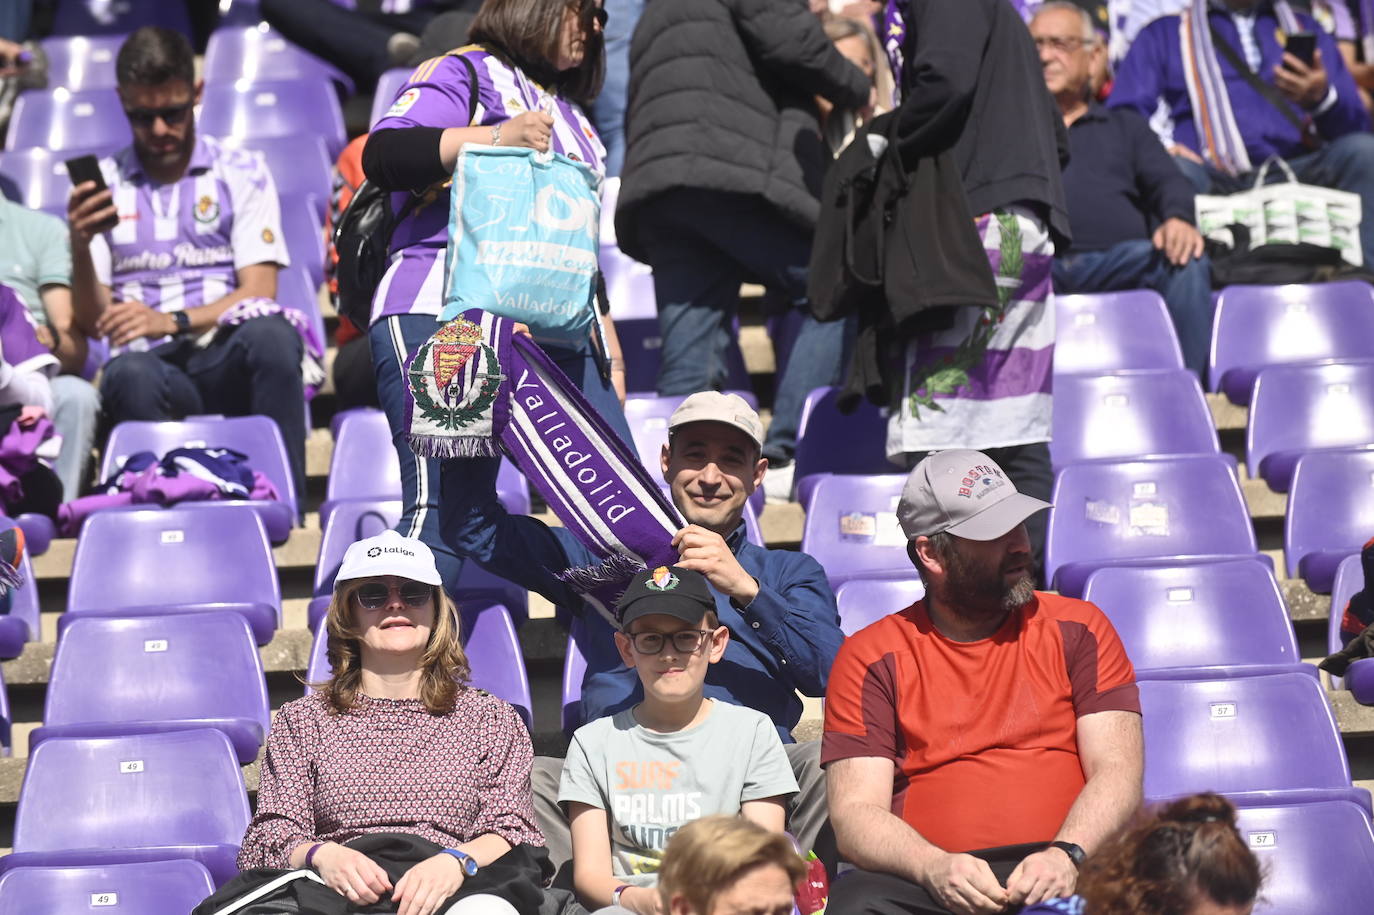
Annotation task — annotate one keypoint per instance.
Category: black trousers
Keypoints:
(874, 893)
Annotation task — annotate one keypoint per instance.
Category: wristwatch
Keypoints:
(1075, 852)
(469, 862)
(182, 321)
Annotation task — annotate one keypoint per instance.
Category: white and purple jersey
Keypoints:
(180, 245)
(437, 95)
(19, 344)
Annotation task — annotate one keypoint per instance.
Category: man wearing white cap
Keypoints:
(981, 742)
(778, 605)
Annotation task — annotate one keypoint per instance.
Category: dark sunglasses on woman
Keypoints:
(375, 595)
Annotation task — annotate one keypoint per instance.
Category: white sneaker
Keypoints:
(777, 483)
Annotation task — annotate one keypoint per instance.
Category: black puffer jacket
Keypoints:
(722, 98)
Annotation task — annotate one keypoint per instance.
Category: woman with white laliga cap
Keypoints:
(395, 741)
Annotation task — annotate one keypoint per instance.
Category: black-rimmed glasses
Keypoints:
(172, 115)
(1063, 45)
(684, 641)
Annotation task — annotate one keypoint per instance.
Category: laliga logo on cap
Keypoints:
(661, 580)
(376, 551)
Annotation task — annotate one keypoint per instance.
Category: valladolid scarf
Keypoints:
(477, 389)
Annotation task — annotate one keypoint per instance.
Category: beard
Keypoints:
(981, 592)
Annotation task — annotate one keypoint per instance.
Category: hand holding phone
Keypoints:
(1303, 46)
(85, 214)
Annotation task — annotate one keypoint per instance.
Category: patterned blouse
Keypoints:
(388, 765)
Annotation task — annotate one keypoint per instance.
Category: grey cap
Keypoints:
(965, 493)
(715, 407)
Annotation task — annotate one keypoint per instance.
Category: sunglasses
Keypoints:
(172, 115)
(373, 596)
(685, 641)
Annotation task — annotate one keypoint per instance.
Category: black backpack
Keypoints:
(363, 239)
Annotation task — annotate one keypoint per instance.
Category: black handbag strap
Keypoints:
(1271, 94)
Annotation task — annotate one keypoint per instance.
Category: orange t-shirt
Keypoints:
(983, 734)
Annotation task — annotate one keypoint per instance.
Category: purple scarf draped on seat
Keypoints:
(478, 389)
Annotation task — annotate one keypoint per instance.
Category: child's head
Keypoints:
(669, 632)
(721, 865)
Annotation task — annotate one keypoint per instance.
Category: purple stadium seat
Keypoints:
(1268, 739)
(296, 289)
(158, 673)
(1165, 512)
(20, 622)
(175, 560)
(822, 427)
(1302, 408)
(1315, 857)
(259, 54)
(1359, 678)
(629, 284)
(851, 527)
(39, 176)
(300, 224)
(1330, 514)
(388, 84)
(93, 17)
(1113, 332)
(1203, 621)
(864, 601)
(143, 797)
(256, 436)
(82, 62)
(6, 719)
(364, 466)
(574, 671)
(493, 649)
(355, 519)
(59, 119)
(274, 109)
(1260, 326)
(1129, 415)
(300, 166)
(39, 531)
(147, 888)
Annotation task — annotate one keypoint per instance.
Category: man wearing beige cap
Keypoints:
(778, 605)
(980, 742)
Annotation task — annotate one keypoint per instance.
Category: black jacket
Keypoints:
(722, 98)
(972, 80)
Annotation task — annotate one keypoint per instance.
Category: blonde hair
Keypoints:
(443, 666)
(707, 855)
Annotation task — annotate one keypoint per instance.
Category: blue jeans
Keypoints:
(1138, 264)
(608, 111)
(1346, 163)
(702, 245)
(393, 339)
(75, 414)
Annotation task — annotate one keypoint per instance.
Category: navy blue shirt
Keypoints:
(785, 641)
(1120, 182)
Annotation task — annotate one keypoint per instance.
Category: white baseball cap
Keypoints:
(965, 493)
(715, 407)
(389, 553)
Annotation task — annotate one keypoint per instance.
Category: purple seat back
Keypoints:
(574, 671)
(274, 109)
(39, 177)
(1259, 326)
(182, 669)
(1262, 740)
(388, 85)
(84, 17)
(1113, 332)
(629, 284)
(297, 289)
(173, 557)
(1123, 513)
(146, 887)
(260, 54)
(1330, 514)
(1301, 408)
(1130, 415)
(300, 226)
(6, 719)
(59, 119)
(823, 426)
(851, 527)
(1315, 857)
(364, 466)
(82, 62)
(1349, 579)
(492, 646)
(356, 519)
(300, 166)
(1217, 619)
(864, 601)
(256, 436)
(181, 793)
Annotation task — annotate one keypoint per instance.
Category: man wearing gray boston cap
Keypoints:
(979, 743)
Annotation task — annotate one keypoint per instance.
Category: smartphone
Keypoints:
(87, 168)
(1303, 46)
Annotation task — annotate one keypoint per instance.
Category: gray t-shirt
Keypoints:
(652, 784)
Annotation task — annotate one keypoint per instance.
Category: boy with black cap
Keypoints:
(634, 778)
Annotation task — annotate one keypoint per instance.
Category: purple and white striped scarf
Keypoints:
(1217, 130)
(478, 389)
